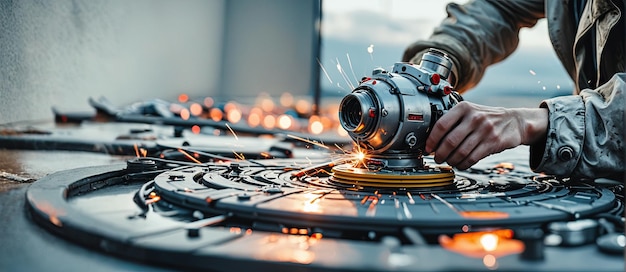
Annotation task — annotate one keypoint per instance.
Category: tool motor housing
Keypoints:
(391, 113)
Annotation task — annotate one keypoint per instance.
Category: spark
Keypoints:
(371, 210)
(489, 241)
(189, 156)
(406, 210)
(232, 131)
(320, 168)
(410, 198)
(340, 148)
(351, 69)
(308, 141)
(360, 156)
(343, 74)
(324, 70)
(153, 200)
(532, 72)
(136, 150)
(445, 202)
(239, 156)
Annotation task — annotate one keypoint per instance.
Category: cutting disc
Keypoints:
(430, 177)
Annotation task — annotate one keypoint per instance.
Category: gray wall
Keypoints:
(269, 47)
(61, 52)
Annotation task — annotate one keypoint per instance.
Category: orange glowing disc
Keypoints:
(487, 215)
(433, 177)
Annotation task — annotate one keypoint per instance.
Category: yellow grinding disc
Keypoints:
(348, 174)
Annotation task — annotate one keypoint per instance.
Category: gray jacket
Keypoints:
(586, 130)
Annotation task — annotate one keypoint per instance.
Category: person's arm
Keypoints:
(585, 136)
(478, 34)
(580, 136)
(469, 132)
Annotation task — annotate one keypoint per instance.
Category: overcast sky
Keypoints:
(399, 21)
(351, 27)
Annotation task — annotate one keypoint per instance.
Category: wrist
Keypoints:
(534, 125)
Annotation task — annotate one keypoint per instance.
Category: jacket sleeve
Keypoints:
(586, 133)
(478, 34)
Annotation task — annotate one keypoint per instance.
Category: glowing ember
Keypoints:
(195, 109)
(284, 122)
(490, 261)
(478, 244)
(153, 200)
(267, 105)
(184, 114)
(136, 150)
(489, 241)
(195, 129)
(303, 107)
(216, 114)
(183, 98)
(315, 125)
(208, 102)
(484, 215)
(269, 122)
(254, 119)
(233, 115)
(286, 100)
(230, 106)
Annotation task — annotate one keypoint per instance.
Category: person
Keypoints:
(581, 135)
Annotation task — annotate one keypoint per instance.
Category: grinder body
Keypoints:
(391, 113)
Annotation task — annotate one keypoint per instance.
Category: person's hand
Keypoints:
(469, 132)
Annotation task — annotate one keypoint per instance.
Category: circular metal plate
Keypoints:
(261, 215)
